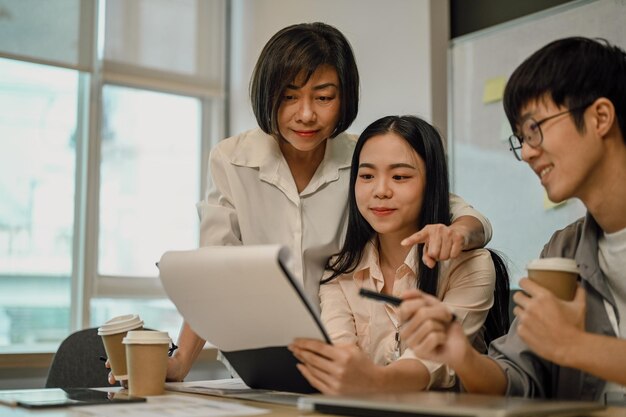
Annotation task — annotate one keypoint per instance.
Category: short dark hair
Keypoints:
(574, 72)
(303, 48)
(427, 142)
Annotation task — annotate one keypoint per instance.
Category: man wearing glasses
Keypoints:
(567, 106)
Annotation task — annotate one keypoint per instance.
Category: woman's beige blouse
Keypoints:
(466, 285)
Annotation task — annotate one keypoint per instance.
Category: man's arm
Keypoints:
(430, 330)
(554, 329)
(607, 360)
(480, 374)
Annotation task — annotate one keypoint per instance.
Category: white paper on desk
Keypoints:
(234, 388)
(238, 297)
(225, 387)
(172, 406)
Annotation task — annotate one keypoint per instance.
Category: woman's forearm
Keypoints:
(472, 229)
(189, 347)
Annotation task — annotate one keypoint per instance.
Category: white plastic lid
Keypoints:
(553, 264)
(146, 337)
(120, 324)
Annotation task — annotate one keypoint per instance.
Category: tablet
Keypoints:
(57, 397)
(246, 302)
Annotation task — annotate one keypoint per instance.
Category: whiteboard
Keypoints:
(483, 170)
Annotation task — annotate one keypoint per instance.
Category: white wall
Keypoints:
(392, 40)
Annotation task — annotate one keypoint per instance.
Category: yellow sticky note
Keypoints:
(549, 204)
(494, 89)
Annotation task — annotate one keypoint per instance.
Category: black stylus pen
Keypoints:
(374, 295)
(389, 299)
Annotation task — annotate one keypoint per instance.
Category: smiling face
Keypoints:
(565, 160)
(309, 112)
(390, 186)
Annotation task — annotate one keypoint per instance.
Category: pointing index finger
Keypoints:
(418, 237)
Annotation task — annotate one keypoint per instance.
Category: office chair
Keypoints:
(77, 364)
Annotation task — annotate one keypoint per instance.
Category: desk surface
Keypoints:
(274, 409)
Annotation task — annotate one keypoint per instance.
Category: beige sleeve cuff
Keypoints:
(441, 376)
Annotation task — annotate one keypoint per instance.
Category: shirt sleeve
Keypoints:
(219, 223)
(467, 288)
(337, 315)
(459, 207)
(524, 370)
(441, 376)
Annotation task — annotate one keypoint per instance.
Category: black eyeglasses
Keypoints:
(531, 133)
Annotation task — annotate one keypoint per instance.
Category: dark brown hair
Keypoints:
(303, 48)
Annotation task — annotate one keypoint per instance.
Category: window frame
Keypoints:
(93, 74)
(213, 117)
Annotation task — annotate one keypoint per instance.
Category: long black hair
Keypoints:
(498, 320)
(426, 141)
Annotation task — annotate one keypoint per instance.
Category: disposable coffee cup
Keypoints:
(146, 358)
(112, 333)
(558, 275)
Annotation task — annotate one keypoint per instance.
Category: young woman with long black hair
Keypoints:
(398, 185)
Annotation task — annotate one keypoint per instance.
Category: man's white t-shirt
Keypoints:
(612, 259)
